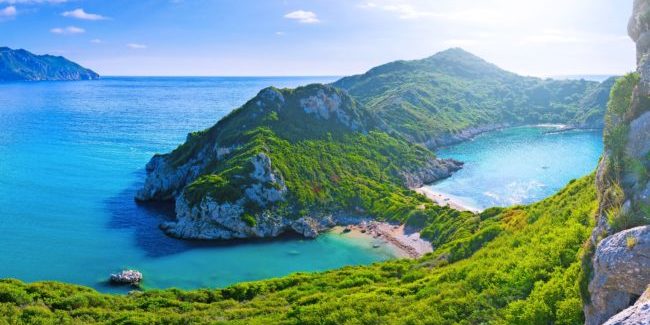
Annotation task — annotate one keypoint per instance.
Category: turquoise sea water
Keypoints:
(72, 155)
(519, 165)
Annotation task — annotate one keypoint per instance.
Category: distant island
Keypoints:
(304, 160)
(22, 65)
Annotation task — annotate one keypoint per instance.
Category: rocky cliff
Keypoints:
(637, 314)
(295, 160)
(21, 65)
(621, 262)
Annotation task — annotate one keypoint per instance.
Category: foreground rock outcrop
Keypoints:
(621, 261)
(621, 273)
(637, 314)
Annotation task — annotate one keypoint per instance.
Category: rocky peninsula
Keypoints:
(252, 193)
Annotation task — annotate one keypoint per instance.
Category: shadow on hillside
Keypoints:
(144, 218)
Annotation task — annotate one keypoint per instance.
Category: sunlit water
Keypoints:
(72, 155)
(519, 165)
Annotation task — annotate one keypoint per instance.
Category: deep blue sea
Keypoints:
(519, 165)
(72, 155)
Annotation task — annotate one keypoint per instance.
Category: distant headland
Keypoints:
(22, 65)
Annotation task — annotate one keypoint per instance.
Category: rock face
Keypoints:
(165, 181)
(639, 136)
(638, 314)
(131, 277)
(431, 171)
(448, 139)
(328, 106)
(213, 220)
(621, 262)
(621, 272)
(21, 65)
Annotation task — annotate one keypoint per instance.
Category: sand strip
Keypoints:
(406, 244)
(445, 200)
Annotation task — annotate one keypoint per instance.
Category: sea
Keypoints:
(72, 155)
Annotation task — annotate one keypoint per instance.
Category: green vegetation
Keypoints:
(327, 165)
(455, 90)
(517, 266)
(23, 65)
(520, 265)
(621, 110)
(350, 154)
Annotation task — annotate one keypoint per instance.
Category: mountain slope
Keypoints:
(21, 65)
(454, 94)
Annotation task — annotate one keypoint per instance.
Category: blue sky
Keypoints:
(320, 37)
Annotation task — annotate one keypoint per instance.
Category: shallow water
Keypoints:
(519, 165)
(72, 155)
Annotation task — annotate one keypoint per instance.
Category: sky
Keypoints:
(320, 37)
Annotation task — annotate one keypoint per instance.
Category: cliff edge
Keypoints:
(621, 239)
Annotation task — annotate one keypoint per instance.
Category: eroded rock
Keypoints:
(621, 273)
(131, 277)
(431, 171)
(638, 314)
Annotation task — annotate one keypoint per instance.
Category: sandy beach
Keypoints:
(445, 200)
(406, 243)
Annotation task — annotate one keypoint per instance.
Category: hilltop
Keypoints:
(454, 95)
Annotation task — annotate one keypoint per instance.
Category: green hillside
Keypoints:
(320, 151)
(433, 99)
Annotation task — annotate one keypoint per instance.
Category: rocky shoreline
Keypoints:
(450, 139)
(212, 220)
(407, 242)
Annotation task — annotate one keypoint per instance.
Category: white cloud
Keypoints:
(304, 17)
(96, 41)
(554, 36)
(403, 10)
(67, 30)
(280, 33)
(136, 46)
(460, 42)
(81, 14)
(10, 11)
(488, 12)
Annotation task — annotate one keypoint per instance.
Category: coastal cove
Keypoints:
(82, 200)
(72, 158)
(518, 165)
